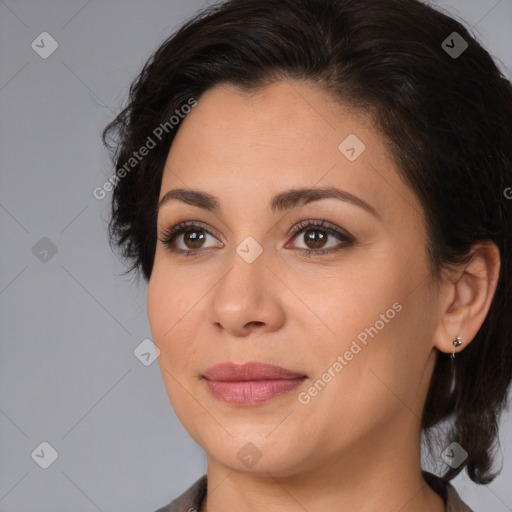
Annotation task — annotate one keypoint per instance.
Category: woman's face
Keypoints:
(355, 317)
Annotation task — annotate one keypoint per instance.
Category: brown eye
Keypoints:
(187, 238)
(194, 238)
(316, 234)
(315, 238)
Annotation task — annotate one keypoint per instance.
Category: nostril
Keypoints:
(254, 323)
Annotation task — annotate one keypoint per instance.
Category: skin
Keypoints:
(356, 444)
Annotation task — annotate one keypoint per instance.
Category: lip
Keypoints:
(253, 370)
(251, 383)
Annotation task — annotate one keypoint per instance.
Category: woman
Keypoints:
(316, 193)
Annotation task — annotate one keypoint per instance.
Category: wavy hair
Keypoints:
(447, 119)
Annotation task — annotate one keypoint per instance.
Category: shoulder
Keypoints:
(449, 494)
(454, 503)
(190, 500)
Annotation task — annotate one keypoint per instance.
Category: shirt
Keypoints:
(192, 498)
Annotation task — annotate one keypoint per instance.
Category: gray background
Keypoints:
(69, 324)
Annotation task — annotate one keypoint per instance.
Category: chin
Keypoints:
(250, 457)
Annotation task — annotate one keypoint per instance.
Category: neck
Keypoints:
(374, 476)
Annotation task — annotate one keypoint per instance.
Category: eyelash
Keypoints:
(168, 236)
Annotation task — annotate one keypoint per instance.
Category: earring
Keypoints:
(457, 342)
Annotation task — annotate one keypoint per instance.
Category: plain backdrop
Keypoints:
(69, 322)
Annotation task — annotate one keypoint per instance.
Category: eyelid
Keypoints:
(166, 233)
(322, 223)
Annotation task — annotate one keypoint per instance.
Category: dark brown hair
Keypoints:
(446, 118)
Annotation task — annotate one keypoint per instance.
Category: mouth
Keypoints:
(252, 383)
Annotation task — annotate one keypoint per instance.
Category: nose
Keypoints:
(247, 298)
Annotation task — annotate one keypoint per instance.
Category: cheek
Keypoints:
(175, 305)
(376, 313)
(165, 308)
(158, 307)
(388, 374)
(345, 300)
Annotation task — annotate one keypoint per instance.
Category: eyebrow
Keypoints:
(283, 201)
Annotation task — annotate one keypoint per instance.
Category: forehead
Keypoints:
(250, 145)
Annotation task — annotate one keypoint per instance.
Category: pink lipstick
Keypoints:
(251, 383)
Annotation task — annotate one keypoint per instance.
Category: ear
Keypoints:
(465, 297)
